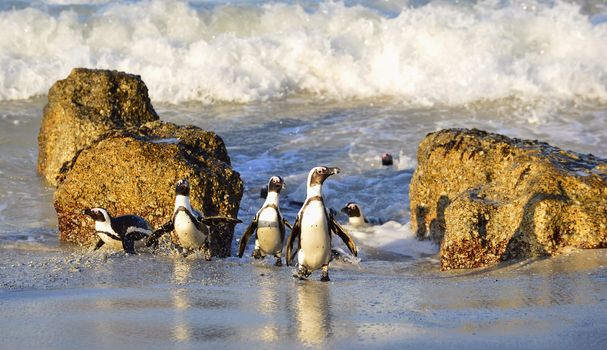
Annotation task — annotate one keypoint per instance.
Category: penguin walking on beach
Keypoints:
(269, 226)
(356, 217)
(191, 228)
(313, 227)
(122, 232)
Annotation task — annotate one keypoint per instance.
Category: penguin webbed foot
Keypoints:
(257, 254)
(278, 261)
(302, 273)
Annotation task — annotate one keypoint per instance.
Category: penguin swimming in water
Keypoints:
(269, 225)
(313, 227)
(355, 214)
(356, 217)
(191, 228)
(122, 232)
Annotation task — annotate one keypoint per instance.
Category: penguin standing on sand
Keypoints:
(269, 224)
(313, 227)
(191, 228)
(122, 232)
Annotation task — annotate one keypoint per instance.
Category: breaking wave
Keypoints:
(439, 52)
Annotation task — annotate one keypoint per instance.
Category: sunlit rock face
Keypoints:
(84, 106)
(102, 145)
(488, 198)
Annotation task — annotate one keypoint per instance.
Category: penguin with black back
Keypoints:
(191, 228)
(268, 224)
(122, 232)
(313, 227)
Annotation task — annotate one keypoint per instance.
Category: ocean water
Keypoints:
(290, 85)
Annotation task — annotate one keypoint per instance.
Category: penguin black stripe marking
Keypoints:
(110, 235)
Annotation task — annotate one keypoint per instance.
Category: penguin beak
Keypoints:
(344, 210)
(333, 171)
(88, 212)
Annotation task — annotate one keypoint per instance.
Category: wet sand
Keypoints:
(60, 297)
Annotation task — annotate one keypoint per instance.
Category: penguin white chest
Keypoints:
(188, 234)
(315, 239)
(107, 234)
(114, 244)
(357, 221)
(268, 232)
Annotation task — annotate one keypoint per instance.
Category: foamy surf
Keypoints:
(439, 53)
(392, 237)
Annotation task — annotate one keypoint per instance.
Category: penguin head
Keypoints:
(276, 184)
(319, 174)
(352, 209)
(97, 214)
(182, 187)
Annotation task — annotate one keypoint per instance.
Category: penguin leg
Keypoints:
(182, 251)
(302, 272)
(128, 244)
(257, 252)
(278, 261)
(324, 277)
(99, 244)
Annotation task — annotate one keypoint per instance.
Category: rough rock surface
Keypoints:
(84, 106)
(134, 172)
(487, 198)
(102, 145)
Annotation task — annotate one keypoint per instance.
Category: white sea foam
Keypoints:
(393, 237)
(437, 53)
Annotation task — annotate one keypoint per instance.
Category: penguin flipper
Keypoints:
(99, 244)
(245, 237)
(152, 239)
(295, 233)
(338, 230)
(286, 222)
(212, 220)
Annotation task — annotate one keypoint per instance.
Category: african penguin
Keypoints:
(269, 225)
(191, 228)
(312, 229)
(122, 232)
(355, 214)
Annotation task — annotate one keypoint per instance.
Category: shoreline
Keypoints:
(176, 302)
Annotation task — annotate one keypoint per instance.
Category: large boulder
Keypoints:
(487, 198)
(83, 107)
(134, 172)
(102, 145)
